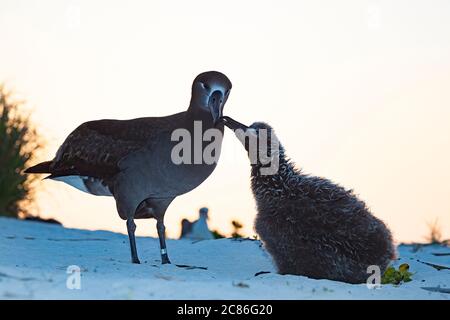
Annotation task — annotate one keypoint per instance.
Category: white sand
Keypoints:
(34, 258)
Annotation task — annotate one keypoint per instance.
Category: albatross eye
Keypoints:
(205, 86)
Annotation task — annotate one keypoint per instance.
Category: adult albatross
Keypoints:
(132, 160)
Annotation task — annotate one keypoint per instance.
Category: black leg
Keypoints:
(131, 226)
(162, 241)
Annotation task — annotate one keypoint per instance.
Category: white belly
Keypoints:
(86, 184)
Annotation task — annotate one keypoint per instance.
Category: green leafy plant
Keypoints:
(19, 143)
(393, 276)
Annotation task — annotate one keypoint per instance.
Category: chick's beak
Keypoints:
(241, 131)
(233, 124)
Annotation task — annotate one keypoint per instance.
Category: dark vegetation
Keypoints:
(235, 234)
(19, 144)
(435, 235)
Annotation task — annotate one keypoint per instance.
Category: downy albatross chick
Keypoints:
(309, 225)
(131, 160)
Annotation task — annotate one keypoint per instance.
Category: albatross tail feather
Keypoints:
(43, 167)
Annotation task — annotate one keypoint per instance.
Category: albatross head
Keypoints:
(210, 92)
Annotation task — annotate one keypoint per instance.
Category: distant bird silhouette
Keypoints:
(197, 230)
(309, 225)
(131, 160)
(186, 227)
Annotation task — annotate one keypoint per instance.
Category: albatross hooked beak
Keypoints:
(215, 104)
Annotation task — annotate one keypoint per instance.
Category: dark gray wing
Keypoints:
(96, 147)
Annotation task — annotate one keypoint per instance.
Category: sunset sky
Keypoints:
(357, 91)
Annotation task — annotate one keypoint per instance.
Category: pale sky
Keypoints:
(358, 92)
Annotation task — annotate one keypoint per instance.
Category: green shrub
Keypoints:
(396, 277)
(19, 143)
